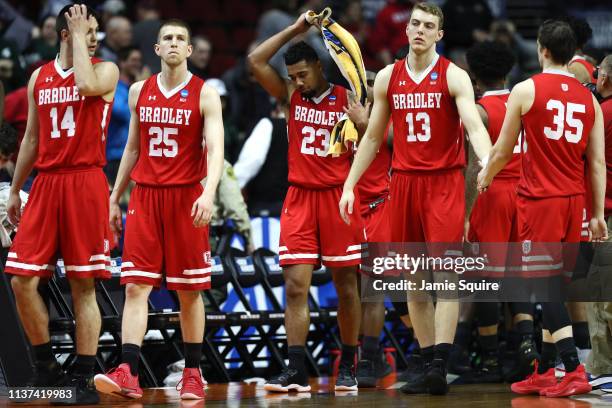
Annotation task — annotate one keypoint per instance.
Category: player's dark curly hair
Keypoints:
(300, 52)
(8, 139)
(581, 28)
(490, 61)
(62, 24)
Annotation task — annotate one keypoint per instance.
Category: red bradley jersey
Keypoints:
(427, 131)
(374, 183)
(577, 59)
(310, 124)
(171, 132)
(72, 127)
(557, 128)
(494, 103)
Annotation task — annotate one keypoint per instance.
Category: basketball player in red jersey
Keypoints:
(562, 123)
(70, 101)
(492, 220)
(429, 99)
(311, 231)
(174, 115)
(582, 69)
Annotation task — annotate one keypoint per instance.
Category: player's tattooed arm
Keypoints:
(259, 59)
(91, 80)
(28, 153)
(519, 102)
(370, 142)
(597, 175)
(460, 87)
(128, 160)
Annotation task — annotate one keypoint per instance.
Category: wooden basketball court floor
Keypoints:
(322, 394)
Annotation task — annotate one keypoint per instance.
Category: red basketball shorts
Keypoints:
(376, 221)
(160, 238)
(312, 230)
(66, 214)
(543, 224)
(428, 207)
(493, 224)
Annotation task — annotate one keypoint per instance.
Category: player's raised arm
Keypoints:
(519, 102)
(370, 142)
(460, 87)
(597, 175)
(91, 80)
(128, 160)
(210, 105)
(28, 152)
(259, 59)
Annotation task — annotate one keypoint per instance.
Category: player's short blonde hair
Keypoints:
(430, 8)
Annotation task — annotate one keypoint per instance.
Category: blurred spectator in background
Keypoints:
(465, 22)
(46, 46)
(232, 141)
(8, 152)
(145, 33)
(389, 33)
(579, 65)
(248, 102)
(52, 7)
(111, 8)
(229, 205)
(15, 27)
(200, 57)
(371, 8)
(526, 52)
(118, 36)
(262, 166)
(130, 71)
(352, 20)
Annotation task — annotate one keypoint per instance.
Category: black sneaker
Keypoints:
(527, 356)
(48, 375)
(416, 383)
(85, 391)
(346, 380)
(435, 377)
(414, 368)
(459, 361)
(289, 379)
(366, 374)
(489, 373)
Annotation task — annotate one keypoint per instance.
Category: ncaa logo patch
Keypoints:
(526, 247)
(184, 93)
(434, 76)
(332, 97)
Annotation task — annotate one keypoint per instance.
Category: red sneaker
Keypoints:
(573, 383)
(535, 382)
(119, 381)
(192, 384)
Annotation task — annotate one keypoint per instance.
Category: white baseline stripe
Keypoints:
(341, 258)
(542, 267)
(353, 248)
(298, 256)
(141, 273)
(12, 254)
(85, 268)
(127, 265)
(283, 248)
(188, 280)
(100, 257)
(537, 258)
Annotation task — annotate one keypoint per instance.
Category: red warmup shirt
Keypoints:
(72, 128)
(374, 184)
(171, 150)
(557, 128)
(577, 59)
(494, 103)
(427, 131)
(310, 123)
(390, 28)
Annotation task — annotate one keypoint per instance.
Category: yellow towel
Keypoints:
(345, 52)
